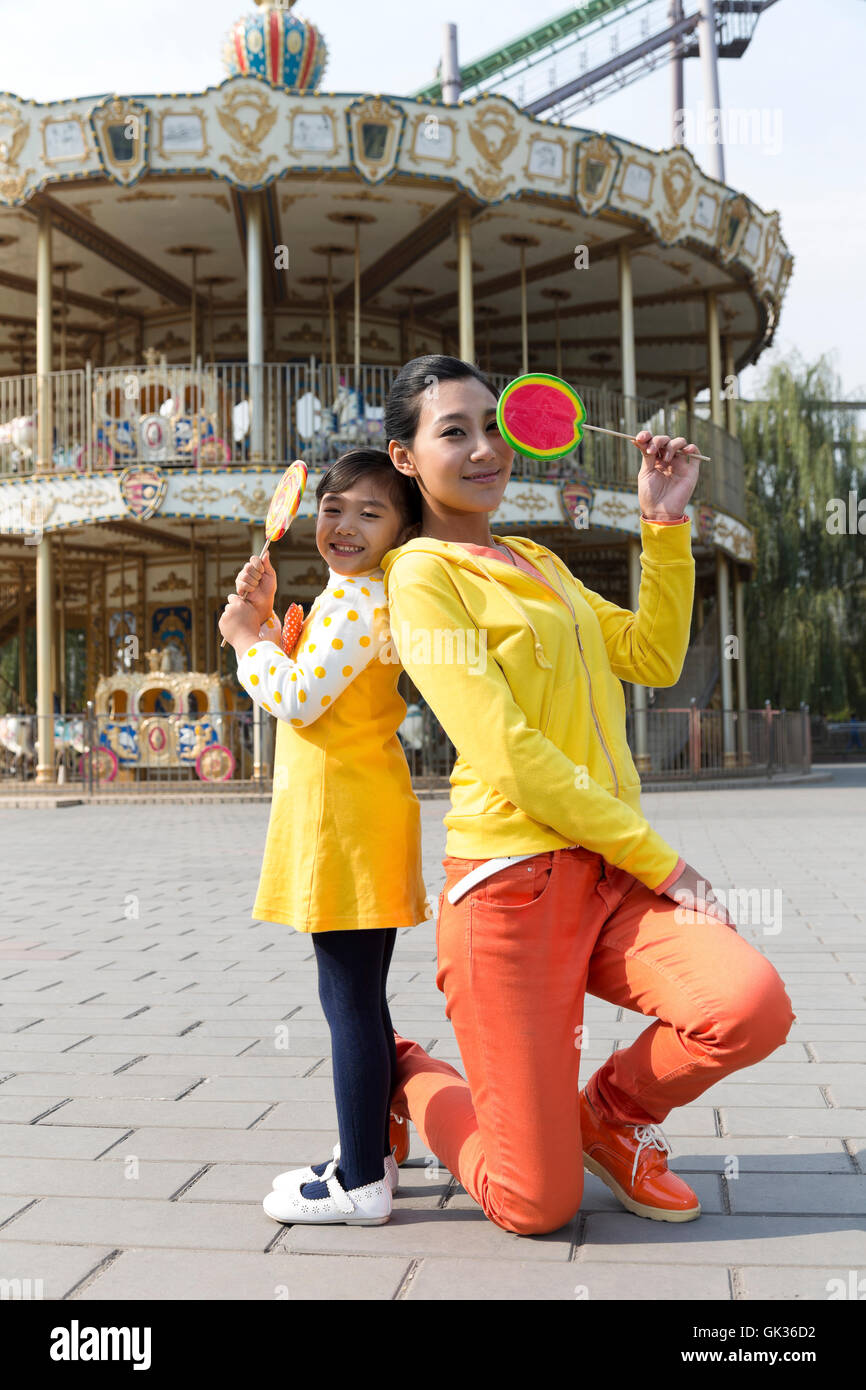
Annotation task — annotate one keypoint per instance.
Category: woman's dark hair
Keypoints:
(403, 406)
(360, 463)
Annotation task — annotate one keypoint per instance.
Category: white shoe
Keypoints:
(360, 1206)
(298, 1176)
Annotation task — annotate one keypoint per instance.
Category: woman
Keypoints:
(555, 882)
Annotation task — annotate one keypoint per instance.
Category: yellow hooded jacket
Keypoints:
(531, 696)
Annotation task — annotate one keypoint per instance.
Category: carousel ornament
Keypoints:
(275, 45)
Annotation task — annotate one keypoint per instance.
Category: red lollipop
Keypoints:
(542, 417)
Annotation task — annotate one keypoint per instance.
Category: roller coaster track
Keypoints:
(596, 48)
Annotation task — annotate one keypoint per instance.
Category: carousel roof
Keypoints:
(141, 188)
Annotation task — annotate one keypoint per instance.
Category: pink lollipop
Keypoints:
(284, 505)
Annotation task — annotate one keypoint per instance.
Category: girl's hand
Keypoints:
(692, 892)
(239, 624)
(257, 583)
(667, 477)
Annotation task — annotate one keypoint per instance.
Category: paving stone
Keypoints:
(130, 1112)
(765, 1153)
(438, 1232)
(48, 1271)
(798, 1194)
(287, 1148)
(727, 1240)
(446, 1280)
(113, 1176)
(127, 1083)
(187, 1275)
(133, 1221)
(802, 1122)
(811, 1282)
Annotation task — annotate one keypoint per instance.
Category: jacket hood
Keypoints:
(506, 578)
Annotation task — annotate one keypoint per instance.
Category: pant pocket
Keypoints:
(518, 885)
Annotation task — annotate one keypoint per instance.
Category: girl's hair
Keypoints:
(403, 406)
(360, 463)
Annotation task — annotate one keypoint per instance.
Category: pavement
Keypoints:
(162, 1057)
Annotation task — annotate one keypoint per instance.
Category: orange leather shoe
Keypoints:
(398, 1137)
(631, 1160)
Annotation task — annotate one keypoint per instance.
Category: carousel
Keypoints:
(197, 287)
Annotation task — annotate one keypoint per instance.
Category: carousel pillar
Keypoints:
(255, 324)
(61, 645)
(141, 582)
(742, 695)
(451, 84)
(466, 309)
(45, 423)
(675, 13)
(626, 339)
(723, 596)
(44, 569)
(731, 388)
(22, 639)
(710, 70)
(629, 392)
(44, 663)
(714, 359)
(690, 406)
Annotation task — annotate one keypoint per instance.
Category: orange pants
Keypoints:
(516, 956)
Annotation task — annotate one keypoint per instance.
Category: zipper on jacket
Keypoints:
(592, 709)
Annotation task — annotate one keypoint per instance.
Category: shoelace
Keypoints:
(648, 1137)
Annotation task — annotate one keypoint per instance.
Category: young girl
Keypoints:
(555, 882)
(343, 853)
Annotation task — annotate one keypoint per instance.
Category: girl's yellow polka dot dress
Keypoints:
(343, 848)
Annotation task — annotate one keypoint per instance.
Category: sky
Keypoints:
(804, 72)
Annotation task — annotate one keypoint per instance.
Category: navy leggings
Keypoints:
(353, 970)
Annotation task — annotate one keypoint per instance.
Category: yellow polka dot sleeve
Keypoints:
(345, 633)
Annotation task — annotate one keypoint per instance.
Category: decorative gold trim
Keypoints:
(490, 180)
(530, 175)
(249, 137)
(735, 208)
(67, 120)
(678, 179)
(159, 145)
(712, 230)
(116, 112)
(386, 113)
(598, 150)
(10, 150)
(632, 161)
(246, 171)
(298, 153)
(421, 120)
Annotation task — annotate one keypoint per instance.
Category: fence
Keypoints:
(233, 414)
(109, 753)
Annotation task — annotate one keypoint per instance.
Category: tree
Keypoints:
(806, 606)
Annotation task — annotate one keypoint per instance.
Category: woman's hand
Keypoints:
(692, 892)
(239, 624)
(667, 477)
(257, 584)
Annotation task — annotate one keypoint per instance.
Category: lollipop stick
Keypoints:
(619, 435)
(262, 553)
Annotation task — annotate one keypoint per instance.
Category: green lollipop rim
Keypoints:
(540, 378)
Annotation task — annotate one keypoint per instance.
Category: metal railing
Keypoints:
(233, 414)
(112, 752)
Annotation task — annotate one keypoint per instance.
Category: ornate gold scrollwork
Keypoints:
(494, 134)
